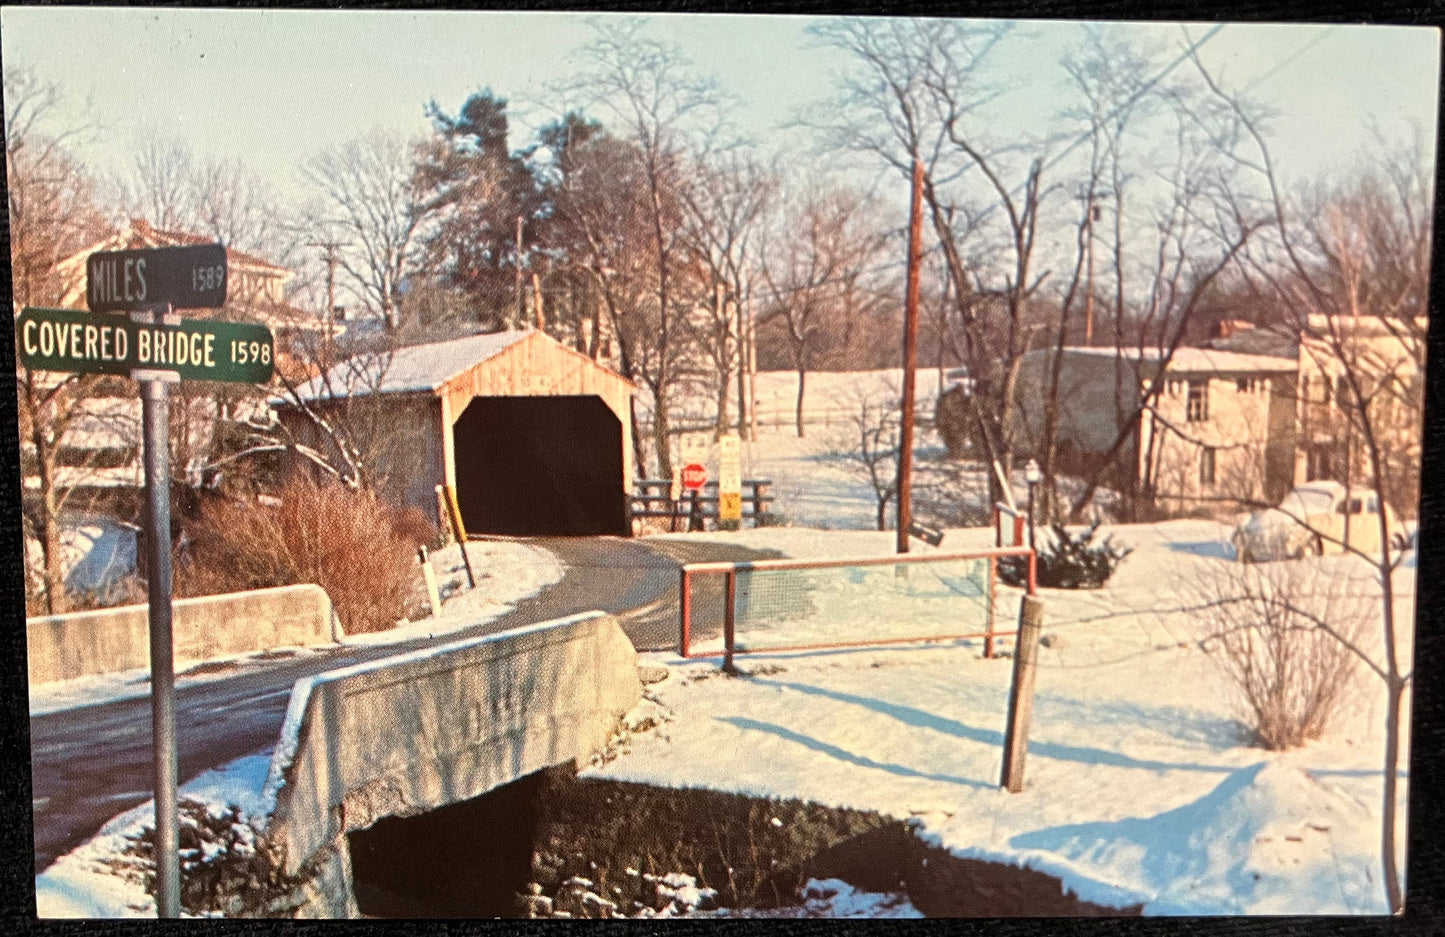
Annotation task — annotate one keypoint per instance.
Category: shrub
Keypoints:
(1291, 676)
(1067, 561)
(358, 548)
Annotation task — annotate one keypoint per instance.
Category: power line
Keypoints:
(1129, 101)
(1298, 52)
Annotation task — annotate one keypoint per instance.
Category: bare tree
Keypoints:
(52, 215)
(372, 206)
(916, 91)
(222, 199)
(162, 185)
(869, 447)
(727, 203)
(819, 276)
(647, 92)
(1354, 273)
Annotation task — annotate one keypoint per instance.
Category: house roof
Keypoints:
(1197, 360)
(140, 234)
(415, 368)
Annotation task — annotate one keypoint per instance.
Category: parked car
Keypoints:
(1314, 518)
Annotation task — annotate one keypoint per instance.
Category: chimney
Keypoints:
(141, 226)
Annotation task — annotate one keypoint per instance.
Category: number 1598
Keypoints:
(247, 352)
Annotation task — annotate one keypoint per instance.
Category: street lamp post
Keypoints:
(1033, 476)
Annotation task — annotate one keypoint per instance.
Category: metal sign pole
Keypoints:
(155, 415)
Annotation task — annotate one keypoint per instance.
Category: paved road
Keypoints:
(91, 763)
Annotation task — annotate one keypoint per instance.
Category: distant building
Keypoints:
(255, 288)
(1385, 358)
(1220, 432)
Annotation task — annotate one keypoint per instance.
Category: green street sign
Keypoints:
(74, 341)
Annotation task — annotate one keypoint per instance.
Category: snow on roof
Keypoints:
(1197, 359)
(410, 369)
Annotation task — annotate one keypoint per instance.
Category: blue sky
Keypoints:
(273, 86)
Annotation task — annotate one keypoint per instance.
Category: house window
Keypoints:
(1197, 409)
(1206, 465)
(1242, 385)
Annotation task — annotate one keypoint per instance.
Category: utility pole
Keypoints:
(1089, 218)
(537, 303)
(722, 331)
(910, 358)
(331, 260)
(740, 316)
(517, 261)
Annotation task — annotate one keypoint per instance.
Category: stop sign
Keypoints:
(694, 476)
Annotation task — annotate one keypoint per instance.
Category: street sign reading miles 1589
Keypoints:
(189, 277)
(69, 340)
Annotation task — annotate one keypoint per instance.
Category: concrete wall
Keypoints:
(418, 731)
(60, 647)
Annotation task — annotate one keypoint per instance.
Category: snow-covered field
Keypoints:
(1141, 787)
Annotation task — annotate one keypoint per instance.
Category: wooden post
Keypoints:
(1021, 695)
(730, 578)
(459, 529)
(910, 358)
(685, 602)
(429, 577)
(992, 599)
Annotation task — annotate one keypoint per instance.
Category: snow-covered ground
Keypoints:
(88, 881)
(1141, 787)
(1140, 784)
(507, 572)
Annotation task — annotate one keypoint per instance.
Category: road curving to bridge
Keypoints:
(92, 762)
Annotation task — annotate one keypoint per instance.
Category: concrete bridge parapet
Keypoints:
(109, 640)
(412, 733)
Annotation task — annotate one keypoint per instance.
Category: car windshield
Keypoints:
(1304, 501)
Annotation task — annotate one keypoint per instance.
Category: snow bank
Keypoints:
(1140, 786)
(91, 881)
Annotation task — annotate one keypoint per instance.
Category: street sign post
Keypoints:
(191, 277)
(70, 340)
(157, 349)
(730, 479)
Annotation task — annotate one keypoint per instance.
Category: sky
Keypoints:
(273, 86)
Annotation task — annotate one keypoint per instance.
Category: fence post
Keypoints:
(729, 621)
(429, 578)
(1021, 694)
(685, 603)
(992, 595)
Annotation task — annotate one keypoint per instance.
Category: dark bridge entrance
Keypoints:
(540, 466)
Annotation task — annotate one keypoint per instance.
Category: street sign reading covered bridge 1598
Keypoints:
(198, 350)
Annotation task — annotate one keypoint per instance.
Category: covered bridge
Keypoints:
(534, 438)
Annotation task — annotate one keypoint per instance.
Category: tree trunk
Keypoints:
(660, 430)
(883, 512)
(52, 575)
(802, 380)
(1393, 892)
(722, 402)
